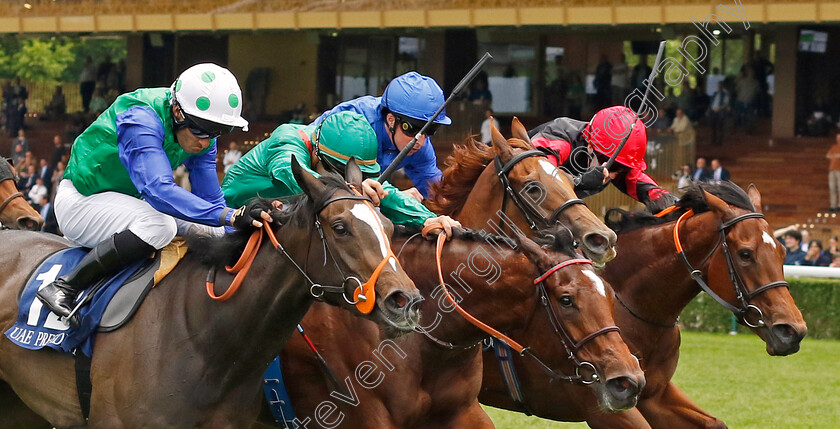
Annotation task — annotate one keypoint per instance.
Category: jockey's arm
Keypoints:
(642, 188)
(203, 178)
(139, 137)
(422, 168)
(279, 165)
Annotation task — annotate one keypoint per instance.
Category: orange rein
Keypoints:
(241, 267)
(684, 216)
(470, 318)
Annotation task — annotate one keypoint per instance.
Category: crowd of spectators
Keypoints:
(800, 249)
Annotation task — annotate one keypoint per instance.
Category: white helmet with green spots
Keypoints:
(210, 96)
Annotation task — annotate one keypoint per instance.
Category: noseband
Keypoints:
(9, 200)
(571, 346)
(529, 212)
(744, 295)
(6, 173)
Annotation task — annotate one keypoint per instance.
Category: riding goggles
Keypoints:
(411, 127)
(203, 129)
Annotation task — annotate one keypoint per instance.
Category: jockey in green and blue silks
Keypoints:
(266, 169)
(119, 195)
(407, 103)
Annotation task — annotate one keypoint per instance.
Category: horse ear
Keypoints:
(755, 197)
(310, 184)
(352, 173)
(520, 132)
(532, 250)
(717, 205)
(500, 144)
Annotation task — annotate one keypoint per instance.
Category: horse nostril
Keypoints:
(623, 387)
(596, 241)
(786, 333)
(397, 300)
(29, 224)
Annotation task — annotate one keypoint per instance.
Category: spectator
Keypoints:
(762, 68)
(833, 245)
(98, 104)
(104, 69)
(15, 114)
(87, 83)
(815, 255)
(20, 91)
(640, 73)
(833, 157)
(47, 212)
(479, 94)
(700, 174)
(683, 176)
(718, 111)
(669, 103)
(17, 154)
(662, 122)
(25, 180)
(57, 176)
(603, 82)
(794, 254)
(576, 97)
(555, 93)
(57, 106)
(486, 138)
(806, 239)
(835, 262)
(58, 151)
(38, 191)
(683, 129)
(747, 90)
(620, 80)
(685, 100)
(231, 155)
(45, 173)
(701, 100)
(719, 173)
(21, 141)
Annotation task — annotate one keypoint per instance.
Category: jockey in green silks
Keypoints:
(265, 170)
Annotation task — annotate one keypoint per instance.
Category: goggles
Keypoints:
(411, 127)
(201, 128)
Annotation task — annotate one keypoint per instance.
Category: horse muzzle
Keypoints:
(784, 339)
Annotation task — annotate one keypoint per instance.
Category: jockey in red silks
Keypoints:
(582, 148)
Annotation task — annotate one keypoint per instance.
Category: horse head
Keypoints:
(357, 238)
(749, 255)
(15, 212)
(545, 194)
(578, 306)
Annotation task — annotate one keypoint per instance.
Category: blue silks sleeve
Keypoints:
(139, 136)
(422, 168)
(203, 178)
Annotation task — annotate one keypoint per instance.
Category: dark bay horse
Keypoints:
(185, 360)
(433, 382)
(484, 187)
(730, 244)
(15, 212)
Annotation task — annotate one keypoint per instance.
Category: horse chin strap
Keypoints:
(530, 214)
(743, 294)
(569, 344)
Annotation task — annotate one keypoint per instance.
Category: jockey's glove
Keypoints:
(590, 180)
(243, 218)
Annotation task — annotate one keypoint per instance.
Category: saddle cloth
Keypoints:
(112, 304)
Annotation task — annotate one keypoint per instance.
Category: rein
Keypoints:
(527, 211)
(569, 344)
(364, 295)
(743, 293)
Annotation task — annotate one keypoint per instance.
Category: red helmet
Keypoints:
(609, 126)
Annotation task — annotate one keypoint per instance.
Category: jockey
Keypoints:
(118, 195)
(567, 143)
(265, 169)
(408, 102)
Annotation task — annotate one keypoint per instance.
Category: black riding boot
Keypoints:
(108, 257)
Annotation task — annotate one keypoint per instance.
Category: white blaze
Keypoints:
(364, 213)
(768, 239)
(550, 169)
(599, 284)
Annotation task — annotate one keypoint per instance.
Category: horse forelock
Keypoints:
(622, 221)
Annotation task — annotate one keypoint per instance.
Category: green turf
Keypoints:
(733, 378)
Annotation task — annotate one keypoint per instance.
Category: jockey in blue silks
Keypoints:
(407, 103)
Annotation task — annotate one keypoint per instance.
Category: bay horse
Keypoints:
(185, 360)
(15, 212)
(731, 246)
(479, 182)
(432, 381)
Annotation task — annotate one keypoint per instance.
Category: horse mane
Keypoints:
(557, 238)
(622, 221)
(460, 173)
(298, 210)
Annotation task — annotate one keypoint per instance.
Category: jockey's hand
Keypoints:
(414, 193)
(373, 190)
(660, 199)
(252, 214)
(593, 178)
(446, 222)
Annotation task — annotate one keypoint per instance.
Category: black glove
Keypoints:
(591, 179)
(243, 218)
(660, 199)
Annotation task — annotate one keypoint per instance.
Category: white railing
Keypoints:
(794, 271)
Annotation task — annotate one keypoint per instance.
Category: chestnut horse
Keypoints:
(433, 381)
(729, 244)
(15, 212)
(186, 360)
(512, 181)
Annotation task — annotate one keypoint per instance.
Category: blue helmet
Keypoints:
(415, 96)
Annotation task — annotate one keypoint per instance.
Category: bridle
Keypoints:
(530, 213)
(742, 292)
(7, 174)
(571, 346)
(9, 200)
(364, 294)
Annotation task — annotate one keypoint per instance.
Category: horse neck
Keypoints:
(663, 287)
(259, 318)
(495, 285)
(483, 206)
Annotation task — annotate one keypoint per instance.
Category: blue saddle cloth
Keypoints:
(37, 327)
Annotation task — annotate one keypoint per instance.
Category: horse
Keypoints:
(728, 251)
(431, 378)
(15, 212)
(185, 360)
(478, 181)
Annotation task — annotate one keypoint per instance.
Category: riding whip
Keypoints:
(464, 82)
(644, 98)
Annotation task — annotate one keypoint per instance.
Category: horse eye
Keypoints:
(567, 301)
(340, 229)
(745, 254)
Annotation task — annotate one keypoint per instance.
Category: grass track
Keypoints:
(734, 379)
